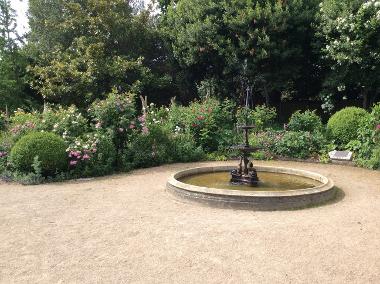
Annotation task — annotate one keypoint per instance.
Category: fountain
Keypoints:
(229, 187)
(245, 173)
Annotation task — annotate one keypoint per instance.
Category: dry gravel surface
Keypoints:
(128, 229)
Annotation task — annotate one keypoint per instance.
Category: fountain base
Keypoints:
(249, 179)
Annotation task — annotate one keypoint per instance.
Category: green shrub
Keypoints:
(266, 140)
(22, 123)
(299, 144)
(92, 154)
(148, 149)
(184, 149)
(305, 121)
(49, 147)
(366, 146)
(210, 122)
(261, 116)
(66, 122)
(116, 113)
(343, 125)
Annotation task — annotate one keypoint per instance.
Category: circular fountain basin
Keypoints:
(279, 188)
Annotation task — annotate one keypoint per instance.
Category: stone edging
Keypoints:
(253, 200)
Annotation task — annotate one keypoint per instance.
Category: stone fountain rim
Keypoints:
(188, 189)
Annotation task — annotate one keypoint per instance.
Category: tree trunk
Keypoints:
(365, 100)
(266, 94)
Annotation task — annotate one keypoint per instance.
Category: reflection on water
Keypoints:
(268, 181)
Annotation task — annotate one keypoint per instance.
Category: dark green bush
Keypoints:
(50, 149)
(148, 149)
(366, 146)
(299, 144)
(305, 121)
(343, 125)
(184, 149)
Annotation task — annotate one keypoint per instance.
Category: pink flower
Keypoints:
(378, 127)
(73, 163)
(3, 154)
(142, 118)
(145, 130)
(98, 125)
(85, 157)
(94, 150)
(121, 130)
(132, 126)
(201, 117)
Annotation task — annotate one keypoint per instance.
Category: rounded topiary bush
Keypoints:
(49, 147)
(343, 125)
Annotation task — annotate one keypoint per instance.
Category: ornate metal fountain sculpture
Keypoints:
(245, 173)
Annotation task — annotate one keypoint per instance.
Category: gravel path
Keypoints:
(128, 229)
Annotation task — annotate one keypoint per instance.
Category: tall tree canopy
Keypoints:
(84, 48)
(271, 39)
(12, 62)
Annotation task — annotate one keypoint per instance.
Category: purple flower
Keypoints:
(3, 154)
(85, 157)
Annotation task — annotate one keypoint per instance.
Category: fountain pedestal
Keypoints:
(245, 173)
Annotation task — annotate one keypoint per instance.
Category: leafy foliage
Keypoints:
(299, 144)
(213, 39)
(350, 33)
(84, 49)
(210, 122)
(343, 125)
(366, 145)
(66, 122)
(50, 149)
(92, 154)
(261, 116)
(305, 121)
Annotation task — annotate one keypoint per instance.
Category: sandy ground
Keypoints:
(128, 229)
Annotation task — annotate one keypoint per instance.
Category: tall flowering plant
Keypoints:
(21, 123)
(66, 122)
(91, 154)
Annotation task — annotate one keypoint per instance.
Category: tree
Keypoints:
(350, 31)
(82, 49)
(268, 41)
(12, 62)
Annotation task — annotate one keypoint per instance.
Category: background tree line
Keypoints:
(321, 53)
